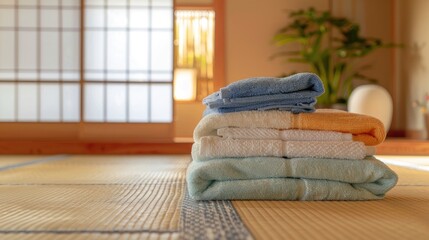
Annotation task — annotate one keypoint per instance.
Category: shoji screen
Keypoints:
(114, 67)
(39, 60)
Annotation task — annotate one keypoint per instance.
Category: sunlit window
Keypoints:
(194, 46)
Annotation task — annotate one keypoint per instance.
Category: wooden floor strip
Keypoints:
(6, 160)
(31, 162)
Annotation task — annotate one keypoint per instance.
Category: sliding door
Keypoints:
(94, 70)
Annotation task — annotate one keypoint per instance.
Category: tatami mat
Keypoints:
(101, 170)
(102, 197)
(144, 197)
(92, 236)
(411, 176)
(91, 208)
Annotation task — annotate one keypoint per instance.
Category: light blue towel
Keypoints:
(296, 93)
(270, 178)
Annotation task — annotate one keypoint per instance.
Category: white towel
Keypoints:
(216, 147)
(288, 135)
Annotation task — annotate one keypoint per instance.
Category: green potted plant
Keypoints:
(329, 45)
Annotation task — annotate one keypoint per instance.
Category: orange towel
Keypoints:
(366, 129)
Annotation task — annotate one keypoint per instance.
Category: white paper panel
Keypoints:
(27, 2)
(139, 2)
(94, 50)
(94, 17)
(117, 76)
(72, 3)
(7, 17)
(116, 50)
(27, 75)
(70, 76)
(162, 3)
(27, 17)
(117, 17)
(161, 103)
(7, 102)
(162, 51)
(7, 2)
(139, 50)
(71, 100)
(71, 51)
(162, 77)
(7, 50)
(95, 2)
(162, 18)
(50, 75)
(7, 75)
(143, 77)
(49, 18)
(95, 76)
(50, 102)
(116, 103)
(70, 18)
(27, 50)
(94, 102)
(49, 2)
(139, 18)
(117, 2)
(49, 50)
(27, 102)
(138, 103)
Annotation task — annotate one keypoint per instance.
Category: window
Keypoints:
(194, 44)
(104, 61)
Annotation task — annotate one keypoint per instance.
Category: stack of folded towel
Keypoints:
(253, 143)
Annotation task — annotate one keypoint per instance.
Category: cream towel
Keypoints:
(287, 135)
(216, 147)
(366, 129)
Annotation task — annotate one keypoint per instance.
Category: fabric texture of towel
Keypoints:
(211, 147)
(366, 129)
(296, 93)
(286, 135)
(270, 178)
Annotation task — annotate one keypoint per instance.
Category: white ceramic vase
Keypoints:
(372, 100)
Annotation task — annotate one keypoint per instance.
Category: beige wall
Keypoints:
(186, 117)
(413, 60)
(250, 26)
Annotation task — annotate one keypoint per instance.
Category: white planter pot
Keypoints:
(372, 100)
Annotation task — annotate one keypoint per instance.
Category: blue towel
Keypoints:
(271, 178)
(296, 93)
